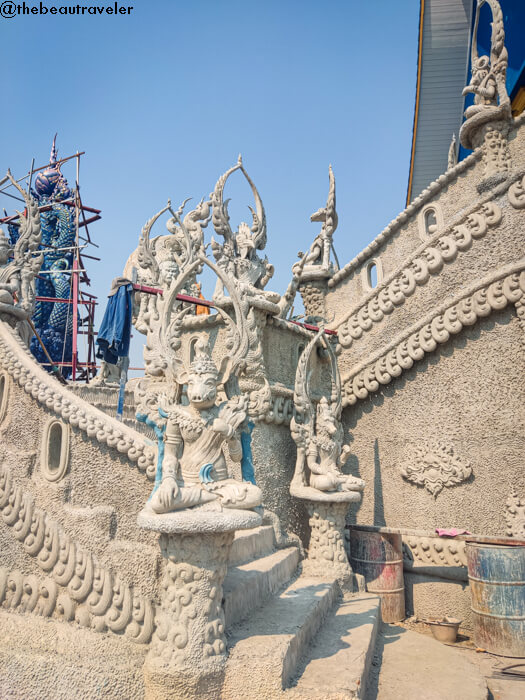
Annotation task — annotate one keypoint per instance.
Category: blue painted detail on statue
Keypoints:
(159, 431)
(205, 473)
(247, 470)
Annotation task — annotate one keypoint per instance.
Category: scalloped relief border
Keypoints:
(426, 195)
(18, 362)
(90, 594)
(426, 260)
(493, 293)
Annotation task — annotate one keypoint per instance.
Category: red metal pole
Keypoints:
(75, 318)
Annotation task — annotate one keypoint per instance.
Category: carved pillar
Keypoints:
(187, 654)
(326, 552)
(313, 293)
(496, 156)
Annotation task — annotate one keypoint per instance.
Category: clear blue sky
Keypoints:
(163, 100)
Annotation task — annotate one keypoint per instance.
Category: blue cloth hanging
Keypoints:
(115, 330)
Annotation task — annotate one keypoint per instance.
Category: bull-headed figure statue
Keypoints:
(193, 470)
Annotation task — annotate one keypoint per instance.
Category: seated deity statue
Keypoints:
(318, 434)
(194, 470)
(326, 454)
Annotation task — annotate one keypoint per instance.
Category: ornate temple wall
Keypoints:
(65, 467)
(456, 410)
(432, 357)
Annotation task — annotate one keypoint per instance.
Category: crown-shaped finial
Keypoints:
(202, 362)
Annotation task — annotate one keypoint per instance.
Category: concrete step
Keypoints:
(337, 663)
(248, 586)
(264, 651)
(413, 666)
(251, 544)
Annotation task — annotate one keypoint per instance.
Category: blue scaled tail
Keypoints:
(248, 473)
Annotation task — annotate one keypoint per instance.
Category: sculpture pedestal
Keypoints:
(326, 552)
(187, 654)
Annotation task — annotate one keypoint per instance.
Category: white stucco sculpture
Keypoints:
(318, 263)
(318, 434)
(238, 254)
(193, 470)
(487, 84)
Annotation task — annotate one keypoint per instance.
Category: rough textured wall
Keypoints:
(467, 395)
(97, 497)
(449, 199)
(432, 359)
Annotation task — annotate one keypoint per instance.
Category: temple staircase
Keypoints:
(291, 635)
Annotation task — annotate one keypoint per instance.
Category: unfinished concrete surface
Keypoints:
(412, 666)
(337, 664)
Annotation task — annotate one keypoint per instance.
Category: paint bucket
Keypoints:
(378, 556)
(444, 630)
(497, 587)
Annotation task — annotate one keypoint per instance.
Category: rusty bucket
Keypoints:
(497, 587)
(378, 556)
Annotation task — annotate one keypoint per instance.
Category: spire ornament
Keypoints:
(487, 83)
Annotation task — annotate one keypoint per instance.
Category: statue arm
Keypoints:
(343, 457)
(235, 448)
(173, 445)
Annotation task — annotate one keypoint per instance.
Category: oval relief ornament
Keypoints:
(434, 465)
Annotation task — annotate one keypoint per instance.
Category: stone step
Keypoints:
(251, 544)
(247, 586)
(266, 649)
(337, 663)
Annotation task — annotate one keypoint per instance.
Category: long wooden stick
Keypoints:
(56, 370)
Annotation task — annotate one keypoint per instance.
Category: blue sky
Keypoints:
(163, 99)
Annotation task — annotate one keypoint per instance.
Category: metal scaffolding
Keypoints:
(79, 299)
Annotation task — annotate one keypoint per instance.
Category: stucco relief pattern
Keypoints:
(515, 515)
(434, 465)
(90, 594)
(427, 194)
(313, 299)
(190, 617)
(517, 194)
(28, 593)
(496, 156)
(327, 542)
(492, 293)
(433, 551)
(418, 271)
(16, 359)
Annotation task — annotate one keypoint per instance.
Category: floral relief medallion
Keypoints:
(434, 465)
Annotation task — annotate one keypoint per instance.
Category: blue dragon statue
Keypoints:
(54, 321)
